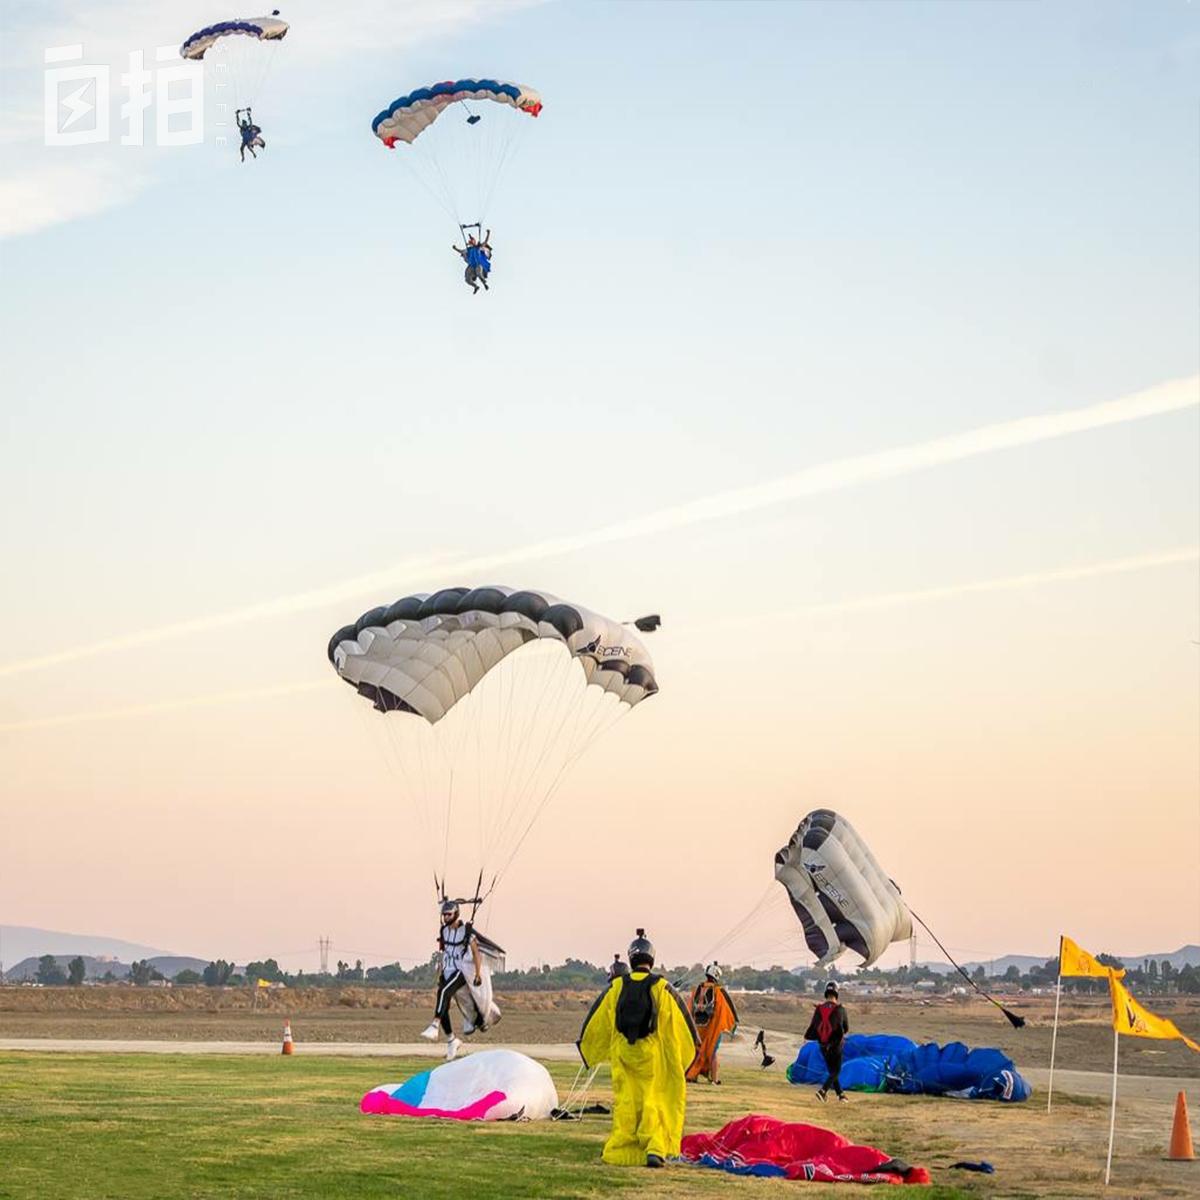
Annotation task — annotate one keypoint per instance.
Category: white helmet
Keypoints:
(713, 972)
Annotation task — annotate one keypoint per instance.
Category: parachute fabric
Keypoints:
(243, 48)
(488, 696)
(456, 153)
(839, 891)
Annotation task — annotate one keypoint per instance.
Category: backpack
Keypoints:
(636, 1016)
(825, 1022)
(704, 1004)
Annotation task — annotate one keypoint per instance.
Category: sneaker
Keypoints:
(431, 1031)
(821, 1095)
(453, 1046)
(655, 1161)
(468, 1029)
(842, 1097)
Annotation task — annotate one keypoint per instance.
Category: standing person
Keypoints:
(456, 939)
(715, 1016)
(640, 1025)
(828, 1028)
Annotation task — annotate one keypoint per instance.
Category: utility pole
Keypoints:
(912, 951)
(324, 944)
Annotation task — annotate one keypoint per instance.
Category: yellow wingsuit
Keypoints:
(649, 1092)
(715, 1016)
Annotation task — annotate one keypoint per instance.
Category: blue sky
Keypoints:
(741, 239)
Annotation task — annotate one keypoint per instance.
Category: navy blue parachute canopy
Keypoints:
(265, 29)
(424, 653)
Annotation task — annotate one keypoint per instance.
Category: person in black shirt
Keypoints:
(828, 1028)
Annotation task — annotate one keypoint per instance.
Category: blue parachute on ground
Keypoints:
(885, 1062)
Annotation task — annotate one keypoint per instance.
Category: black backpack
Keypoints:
(636, 1016)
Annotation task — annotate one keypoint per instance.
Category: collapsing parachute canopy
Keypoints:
(839, 891)
(490, 1085)
(424, 653)
(265, 29)
(406, 118)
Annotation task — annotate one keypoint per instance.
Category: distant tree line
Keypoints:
(1150, 977)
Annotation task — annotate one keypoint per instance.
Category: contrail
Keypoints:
(1115, 566)
(841, 473)
(1007, 583)
(165, 706)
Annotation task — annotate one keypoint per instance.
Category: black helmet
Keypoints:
(618, 967)
(641, 951)
(831, 989)
(449, 911)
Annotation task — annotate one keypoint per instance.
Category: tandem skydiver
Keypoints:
(251, 133)
(478, 257)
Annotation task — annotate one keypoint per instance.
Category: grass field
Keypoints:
(91, 1127)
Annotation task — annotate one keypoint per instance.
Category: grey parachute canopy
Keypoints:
(424, 653)
(843, 897)
(488, 696)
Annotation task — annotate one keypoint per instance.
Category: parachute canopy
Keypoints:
(489, 697)
(407, 117)
(424, 653)
(885, 1062)
(839, 891)
(489, 1085)
(264, 29)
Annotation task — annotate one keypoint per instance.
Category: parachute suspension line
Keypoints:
(1015, 1021)
(550, 792)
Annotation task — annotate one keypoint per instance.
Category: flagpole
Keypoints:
(1112, 1120)
(1054, 1035)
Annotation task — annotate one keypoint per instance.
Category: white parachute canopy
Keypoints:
(484, 698)
(239, 53)
(839, 891)
(489, 1085)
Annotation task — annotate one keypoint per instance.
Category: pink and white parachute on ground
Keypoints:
(488, 1085)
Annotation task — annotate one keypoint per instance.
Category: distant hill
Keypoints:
(19, 942)
(97, 968)
(1183, 957)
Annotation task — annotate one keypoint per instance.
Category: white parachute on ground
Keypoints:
(488, 696)
(490, 1085)
(841, 894)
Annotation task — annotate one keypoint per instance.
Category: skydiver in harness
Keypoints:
(478, 257)
(456, 939)
(251, 133)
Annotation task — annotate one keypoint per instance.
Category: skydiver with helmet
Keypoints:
(639, 1024)
(251, 133)
(478, 257)
(456, 939)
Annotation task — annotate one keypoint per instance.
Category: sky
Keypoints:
(859, 341)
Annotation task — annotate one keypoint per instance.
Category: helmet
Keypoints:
(618, 967)
(713, 972)
(831, 989)
(449, 912)
(641, 951)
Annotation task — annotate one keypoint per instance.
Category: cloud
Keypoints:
(837, 475)
(39, 188)
(45, 194)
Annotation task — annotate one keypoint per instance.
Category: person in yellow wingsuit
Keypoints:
(715, 1016)
(639, 1024)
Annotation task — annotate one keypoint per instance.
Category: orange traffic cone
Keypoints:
(1181, 1134)
(289, 1046)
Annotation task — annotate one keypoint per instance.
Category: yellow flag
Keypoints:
(1073, 959)
(265, 983)
(1129, 1017)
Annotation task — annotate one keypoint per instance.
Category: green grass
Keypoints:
(98, 1126)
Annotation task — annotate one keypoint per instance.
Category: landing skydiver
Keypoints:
(456, 939)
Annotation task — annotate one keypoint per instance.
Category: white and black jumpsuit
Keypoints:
(454, 941)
